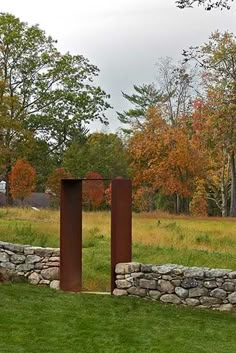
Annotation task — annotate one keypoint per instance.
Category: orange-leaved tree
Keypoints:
(93, 190)
(54, 183)
(213, 128)
(108, 192)
(198, 205)
(22, 179)
(165, 157)
(143, 199)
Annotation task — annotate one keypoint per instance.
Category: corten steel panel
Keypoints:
(71, 235)
(121, 224)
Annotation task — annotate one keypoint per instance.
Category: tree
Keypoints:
(176, 81)
(171, 94)
(145, 97)
(22, 179)
(143, 199)
(166, 157)
(54, 184)
(43, 93)
(218, 61)
(108, 192)
(93, 190)
(207, 131)
(42, 161)
(104, 153)
(208, 4)
(174, 92)
(198, 205)
(15, 139)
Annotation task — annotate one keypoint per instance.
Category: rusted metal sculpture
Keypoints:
(71, 230)
(71, 235)
(121, 224)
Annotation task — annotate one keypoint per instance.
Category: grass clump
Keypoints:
(203, 238)
(25, 233)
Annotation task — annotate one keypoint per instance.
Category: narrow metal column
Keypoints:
(71, 235)
(121, 224)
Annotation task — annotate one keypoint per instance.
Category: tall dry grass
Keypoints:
(157, 238)
(159, 229)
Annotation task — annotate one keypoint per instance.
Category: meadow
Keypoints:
(157, 238)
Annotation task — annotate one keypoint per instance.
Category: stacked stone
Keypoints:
(38, 265)
(176, 284)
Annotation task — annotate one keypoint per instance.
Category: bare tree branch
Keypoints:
(208, 4)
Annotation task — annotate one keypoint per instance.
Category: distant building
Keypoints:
(3, 186)
(36, 199)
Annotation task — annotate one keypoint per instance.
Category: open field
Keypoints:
(157, 238)
(38, 320)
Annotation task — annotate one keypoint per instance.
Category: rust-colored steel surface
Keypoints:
(121, 224)
(71, 235)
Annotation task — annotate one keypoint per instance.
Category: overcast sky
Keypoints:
(123, 38)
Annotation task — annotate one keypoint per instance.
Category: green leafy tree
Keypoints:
(43, 93)
(143, 98)
(43, 161)
(172, 95)
(103, 153)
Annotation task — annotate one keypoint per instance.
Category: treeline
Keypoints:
(183, 138)
(178, 144)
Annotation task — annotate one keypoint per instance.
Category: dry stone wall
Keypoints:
(38, 265)
(190, 286)
(169, 283)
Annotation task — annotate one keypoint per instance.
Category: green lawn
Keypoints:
(40, 320)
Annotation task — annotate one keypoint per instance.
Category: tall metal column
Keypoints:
(121, 224)
(71, 235)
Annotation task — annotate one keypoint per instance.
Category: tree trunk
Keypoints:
(186, 208)
(233, 186)
(224, 212)
(178, 205)
(224, 184)
(9, 199)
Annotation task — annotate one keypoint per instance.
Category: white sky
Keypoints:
(123, 38)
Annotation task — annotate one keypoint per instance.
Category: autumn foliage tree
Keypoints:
(93, 190)
(108, 195)
(143, 199)
(54, 183)
(22, 179)
(217, 58)
(210, 125)
(165, 157)
(108, 192)
(198, 205)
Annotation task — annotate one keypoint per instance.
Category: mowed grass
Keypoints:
(157, 238)
(39, 320)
